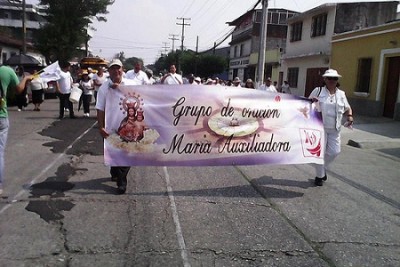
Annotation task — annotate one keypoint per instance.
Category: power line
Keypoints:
(218, 43)
(187, 7)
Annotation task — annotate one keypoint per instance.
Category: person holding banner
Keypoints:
(172, 77)
(115, 70)
(333, 104)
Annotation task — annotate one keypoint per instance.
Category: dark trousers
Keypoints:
(65, 103)
(86, 103)
(120, 173)
(22, 100)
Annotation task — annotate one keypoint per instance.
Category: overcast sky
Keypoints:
(144, 28)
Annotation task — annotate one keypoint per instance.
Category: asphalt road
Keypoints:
(60, 208)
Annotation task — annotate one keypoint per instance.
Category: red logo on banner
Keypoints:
(311, 142)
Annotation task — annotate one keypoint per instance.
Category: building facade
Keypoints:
(11, 24)
(245, 43)
(309, 50)
(371, 72)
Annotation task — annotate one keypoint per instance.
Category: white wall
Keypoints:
(312, 45)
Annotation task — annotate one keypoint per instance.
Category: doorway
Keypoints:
(392, 87)
(313, 79)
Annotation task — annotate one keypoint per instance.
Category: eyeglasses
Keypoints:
(332, 78)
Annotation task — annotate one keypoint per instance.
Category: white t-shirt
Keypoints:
(105, 87)
(87, 87)
(173, 78)
(37, 84)
(152, 81)
(65, 82)
(99, 79)
(140, 76)
(286, 89)
(270, 88)
(332, 106)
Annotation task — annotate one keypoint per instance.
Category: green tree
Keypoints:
(200, 65)
(66, 28)
(210, 65)
(129, 63)
(163, 63)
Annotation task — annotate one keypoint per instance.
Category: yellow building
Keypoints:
(369, 61)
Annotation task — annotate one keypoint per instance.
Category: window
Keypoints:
(318, 27)
(241, 50)
(364, 75)
(293, 74)
(235, 51)
(6, 15)
(296, 30)
(275, 18)
(283, 18)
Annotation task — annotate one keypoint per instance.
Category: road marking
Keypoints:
(178, 231)
(43, 172)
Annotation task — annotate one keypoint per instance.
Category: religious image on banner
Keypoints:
(160, 125)
(130, 135)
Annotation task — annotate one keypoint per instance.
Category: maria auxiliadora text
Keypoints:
(255, 145)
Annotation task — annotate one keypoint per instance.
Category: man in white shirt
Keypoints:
(172, 77)
(64, 85)
(137, 74)
(115, 70)
(268, 86)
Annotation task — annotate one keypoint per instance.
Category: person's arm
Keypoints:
(101, 115)
(96, 82)
(165, 77)
(21, 85)
(349, 116)
(57, 84)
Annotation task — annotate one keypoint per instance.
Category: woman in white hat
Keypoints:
(237, 82)
(249, 84)
(333, 104)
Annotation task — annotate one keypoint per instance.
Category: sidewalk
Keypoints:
(378, 133)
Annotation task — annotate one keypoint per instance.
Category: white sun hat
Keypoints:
(331, 73)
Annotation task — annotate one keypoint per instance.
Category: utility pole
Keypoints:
(173, 40)
(23, 27)
(165, 47)
(197, 55)
(197, 44)
(263, 43)
(183, 24)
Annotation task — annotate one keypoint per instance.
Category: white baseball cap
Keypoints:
(115, 62)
